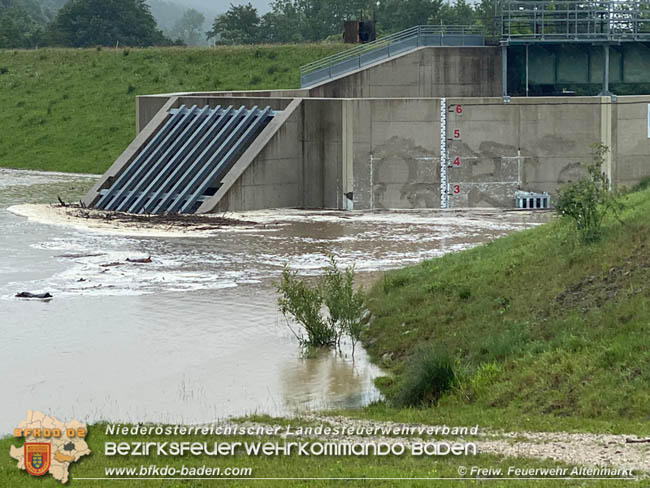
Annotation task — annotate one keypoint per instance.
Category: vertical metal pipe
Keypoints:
(605, 90)
(504, 70)
(526, 69)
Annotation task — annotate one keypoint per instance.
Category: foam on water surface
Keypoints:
(195, 334)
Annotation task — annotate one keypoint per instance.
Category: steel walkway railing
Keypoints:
(386, 47)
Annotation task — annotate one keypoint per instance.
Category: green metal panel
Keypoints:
(541, 66)
(578, 64)
(637, 64)
(572, 64)
(597, 60)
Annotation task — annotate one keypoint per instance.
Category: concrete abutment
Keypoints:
(371, 139)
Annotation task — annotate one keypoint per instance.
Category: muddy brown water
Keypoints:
(194, 335)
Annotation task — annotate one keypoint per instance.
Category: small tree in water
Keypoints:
(589, 200)
(344, 303)
(303, 303)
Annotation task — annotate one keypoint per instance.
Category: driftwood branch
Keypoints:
(637, 441)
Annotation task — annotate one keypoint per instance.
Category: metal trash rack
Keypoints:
(532, 201)
(184, 162)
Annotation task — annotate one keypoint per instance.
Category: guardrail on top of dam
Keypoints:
(564, 21)
(387, 47)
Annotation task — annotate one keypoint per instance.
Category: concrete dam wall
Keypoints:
(329, 148)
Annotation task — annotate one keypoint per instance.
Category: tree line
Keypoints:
(318, 20)
(78, 23)
(87, 23)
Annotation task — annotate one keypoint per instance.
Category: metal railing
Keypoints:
(571, 20)
(388, 46)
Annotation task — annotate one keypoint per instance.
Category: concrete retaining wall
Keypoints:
(425, 72)
(386, 152)
(270, 172)
(630, 140)
(146, 106)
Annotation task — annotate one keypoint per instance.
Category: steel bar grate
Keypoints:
(185, 161)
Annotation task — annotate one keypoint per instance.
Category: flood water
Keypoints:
(195, 335)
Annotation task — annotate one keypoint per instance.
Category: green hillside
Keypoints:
(74, 109)
(537, 324)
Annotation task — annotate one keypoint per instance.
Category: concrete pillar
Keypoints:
(347, 175)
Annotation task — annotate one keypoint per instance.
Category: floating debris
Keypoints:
(142, 260)
(39, 296)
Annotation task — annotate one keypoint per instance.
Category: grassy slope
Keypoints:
(73, 109)
(540, 326)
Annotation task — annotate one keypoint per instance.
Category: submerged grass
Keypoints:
(73, 110)
(538, 324)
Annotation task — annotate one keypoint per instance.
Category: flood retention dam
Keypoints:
(397, 130)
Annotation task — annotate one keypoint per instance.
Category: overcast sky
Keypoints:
(222, 5)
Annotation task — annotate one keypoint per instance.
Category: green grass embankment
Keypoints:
(73, 110)
(539, 327)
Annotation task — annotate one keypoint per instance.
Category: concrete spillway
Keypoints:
(183, 162)
(410, 125)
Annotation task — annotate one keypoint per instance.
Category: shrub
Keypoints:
(302, 303)
(643, 184)
(465, 294)
(3, 70)
(345, 305)
(588, 201)
(428, 375)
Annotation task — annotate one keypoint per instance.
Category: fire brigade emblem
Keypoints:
(37, 457)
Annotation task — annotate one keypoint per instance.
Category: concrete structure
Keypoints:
(424, 72)
(371, 139)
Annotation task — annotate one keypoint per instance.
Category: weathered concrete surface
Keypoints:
(532, 144)
(371, 138)
(425, 72)
(146, 106)
(630, 140)
(386, 152)
(396, 153)
(270, 172)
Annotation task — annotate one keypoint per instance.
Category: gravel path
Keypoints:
(582, 449)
